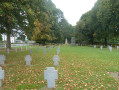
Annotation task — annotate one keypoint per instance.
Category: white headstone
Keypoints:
(28, 60)
(50, 75)
(1, 76)
(110, 48)
(21, 48)
(58, 50)
(56, 60)
(2, 59)
(15, 49)
(44, 51)
(94, 46)
(38, 49)
(30, 51)
(8, 50)
(101, 47)
(117, 47)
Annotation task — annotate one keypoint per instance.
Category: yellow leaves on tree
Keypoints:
(41, 31)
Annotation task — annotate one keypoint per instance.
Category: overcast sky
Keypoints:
(73, 9)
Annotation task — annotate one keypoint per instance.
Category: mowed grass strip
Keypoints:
(79, 68)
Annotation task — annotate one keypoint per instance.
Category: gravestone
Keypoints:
(48, 49)
(28, 60)
(1, 76)
(110, 48)
(30, 51)
(8, 50)
(66, 41)
(15, 49)
(73, 41)
(101, 47)
(21, 48)
(117, 47)
(94, 46)
(2, 59)
(26, 48)
(38, 49)
(58, 50)
(50, 75)
(44, 51)
(56, 60)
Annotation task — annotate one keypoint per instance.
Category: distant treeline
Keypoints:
(99, 25)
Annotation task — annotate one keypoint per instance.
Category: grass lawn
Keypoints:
(79, 68)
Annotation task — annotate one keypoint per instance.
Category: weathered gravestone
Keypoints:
(66, 41)
(30, 51)
(58, 50)
(110, 48)
(2, 59)
(26, 48)
(1, 76)
(101, 47)
(73, 41)
(117, 47)
(15, 49)
(44, 51)
(50, 75)
(94, 46)
(48, 49)
(38, 49)
(21, 48)
(8, 50)
(56, 60)
(28, 60)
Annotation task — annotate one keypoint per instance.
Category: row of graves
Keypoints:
(50, 74)
(109, 47)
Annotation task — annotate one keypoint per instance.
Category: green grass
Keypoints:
(79, 68)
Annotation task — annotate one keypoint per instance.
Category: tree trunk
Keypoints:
(105, 41)
(8, 41)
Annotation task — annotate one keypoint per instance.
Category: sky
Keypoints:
(73, 9)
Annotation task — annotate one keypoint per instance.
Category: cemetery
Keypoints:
(59, 45)
(78, 67)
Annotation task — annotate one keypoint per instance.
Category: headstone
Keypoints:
(30, 51)
(94, 46)
(48, 49)
(2, 59)
(50, 75)
(66, 41)
(21, 48)
(38, 49)
(28, 60)
(110, 48)
(117, 47)
(26, 48)
(56, 60)
(44, 51)
(1, 76)
(101, 47)
(58, 50)
(73, 41)
(15, 49)
(8, 50)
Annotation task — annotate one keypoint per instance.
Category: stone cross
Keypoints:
(15, 49)
(2, 59)
(26, 48)
(101, 47)
(1, 76)
(21, 48)
(8, 50)
(30, 51)
(38, 49)
(56, 60)
(110, 48)
(44, 51)
(50, 75)
(94, 46)
(28, 60)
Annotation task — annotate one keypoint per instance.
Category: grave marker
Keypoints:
(50, 75)
(28, 60)
(8, 50)
(2, 59)
(56, 60)
(1, 76)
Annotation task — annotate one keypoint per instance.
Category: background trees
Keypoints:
(99, 24)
